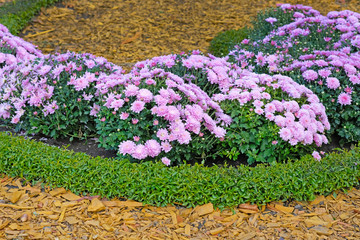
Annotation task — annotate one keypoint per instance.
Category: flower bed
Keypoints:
(183, 107)
(191, 106)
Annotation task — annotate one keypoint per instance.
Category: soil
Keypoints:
(89, 146)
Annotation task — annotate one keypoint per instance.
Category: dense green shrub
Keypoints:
(16, 14)
(156, 184)
(224, 42)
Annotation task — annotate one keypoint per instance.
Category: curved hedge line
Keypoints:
(156, 184)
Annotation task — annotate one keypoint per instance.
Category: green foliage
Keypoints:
(224, 42)
(156, 184)
(16, 14)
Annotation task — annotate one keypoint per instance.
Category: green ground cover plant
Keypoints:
(16, 14)
(154, 183)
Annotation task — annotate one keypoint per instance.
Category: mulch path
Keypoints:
(125, 32)
(34, 212)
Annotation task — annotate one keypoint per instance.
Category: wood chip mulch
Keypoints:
(33, 212)
(125, 32)
(128, 31)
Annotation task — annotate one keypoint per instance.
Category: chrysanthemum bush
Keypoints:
(154, 113)
(320, 52)
(266, 118)
(270, 19)
(54, 94)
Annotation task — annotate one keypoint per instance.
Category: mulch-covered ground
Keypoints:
(125, 32)
(33, 212)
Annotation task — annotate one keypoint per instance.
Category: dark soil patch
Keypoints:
(89, 146)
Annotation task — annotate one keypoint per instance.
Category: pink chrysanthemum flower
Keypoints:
(271, 20)
(285, 134)
(127, 147)
(137, 106)
(258, 103)
(162, 134)
(310, 75)
(316, 155)
(332, 83)
(89, 63)
(259, 111)
(166, 161)
(162, 110)
(140, 152)
(344, 99)
(124, 115)
(116, 104)
(184, 137)
(153, 148)
(131, 90)
(219, 132)
(166, 146)
(134, 121)
(160, 100)
(81, 83)
(270, 107)
(324, 73)
(269, 116)
(172, 113)
(354, 79)
(44, 70)
(145, 95)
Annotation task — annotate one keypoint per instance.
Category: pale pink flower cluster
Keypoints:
(320, 66)
(29, 78)
(305, 124)
(217, 70)
(184, 106)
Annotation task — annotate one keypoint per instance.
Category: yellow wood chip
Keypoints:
(204, 209)
(57, 191)
(187, 229)
(62, 215)
(96, 205)
(284, 209)
(15, 196)
(70, 196)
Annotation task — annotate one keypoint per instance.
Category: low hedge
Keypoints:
(15, 15)
(156, 184)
